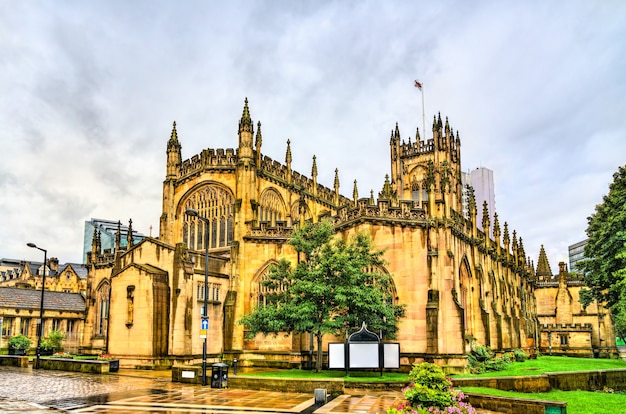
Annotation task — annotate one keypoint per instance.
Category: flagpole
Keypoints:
(423, 116)
(420, 86)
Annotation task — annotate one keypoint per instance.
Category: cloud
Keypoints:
(536, 91)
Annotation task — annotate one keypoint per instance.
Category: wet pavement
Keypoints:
(26, 390)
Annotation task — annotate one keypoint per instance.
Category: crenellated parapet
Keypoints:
(264, 232)
(278, 173)
(414, 149)
(105, 258)
(570, 327)
(555, 283)
(406, 213)
(419, 148)
(209, 159)
(461, 228)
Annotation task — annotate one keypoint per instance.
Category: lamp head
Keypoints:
(34, 246)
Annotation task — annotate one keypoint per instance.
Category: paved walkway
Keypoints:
(25, 390)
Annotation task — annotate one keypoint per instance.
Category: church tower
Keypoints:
(428, 171)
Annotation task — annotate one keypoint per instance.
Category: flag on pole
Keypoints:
(418, 85)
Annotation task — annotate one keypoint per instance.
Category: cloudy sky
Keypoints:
(89, 91)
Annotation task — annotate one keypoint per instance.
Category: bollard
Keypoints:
(235, 366)
(320, 396)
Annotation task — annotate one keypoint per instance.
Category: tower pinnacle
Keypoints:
(245, 124)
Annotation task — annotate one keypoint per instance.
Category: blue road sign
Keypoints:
(205, 324)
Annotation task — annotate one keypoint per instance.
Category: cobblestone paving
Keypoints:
(27, 390)
(24, 390)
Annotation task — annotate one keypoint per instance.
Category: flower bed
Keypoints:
(63, 355)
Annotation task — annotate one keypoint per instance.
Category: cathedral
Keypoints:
(460, 285)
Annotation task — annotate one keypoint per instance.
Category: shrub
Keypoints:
(480, 353)
(482, 359)
(53, 341)
(430, 376)
(520, 356)
(420, 396)
(63, 355)
(431, 392)
(20, 342)
(497, 363)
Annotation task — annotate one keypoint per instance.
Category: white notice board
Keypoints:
(391, 355)
(363, 355)
(336, 355)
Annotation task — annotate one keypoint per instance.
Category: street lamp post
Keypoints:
(193, 213)
(43, 286)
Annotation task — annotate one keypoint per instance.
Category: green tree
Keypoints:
(618, 312)
(605, 264)
(335, 286)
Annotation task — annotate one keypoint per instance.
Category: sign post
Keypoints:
(204, 327)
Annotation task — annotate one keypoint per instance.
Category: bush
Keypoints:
(482, 359)
(420, 396)
(20, 342)
(53, 341)
(480, 353)
(520, 356)
(431, 392)
(497, 363)
(429, 376)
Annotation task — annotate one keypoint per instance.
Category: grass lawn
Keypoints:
(578, 402)
(552, 364)
(369, 376)
(530, 367)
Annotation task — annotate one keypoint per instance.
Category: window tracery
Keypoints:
(102, 305)
(259, 292)
(300, 211)
(215, 203)
(271, 207)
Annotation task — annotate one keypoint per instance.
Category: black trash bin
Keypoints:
(219, 375)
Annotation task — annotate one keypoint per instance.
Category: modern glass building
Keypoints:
(576, 254)
(108, 231)
(481, 179)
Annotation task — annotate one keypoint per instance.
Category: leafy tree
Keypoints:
(334, 287)
(605, 252)
(619, 320)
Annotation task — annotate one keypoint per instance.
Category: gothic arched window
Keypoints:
(102, 307)
(300, 211)
(258, 291)
(271, 207)
(215, 203)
